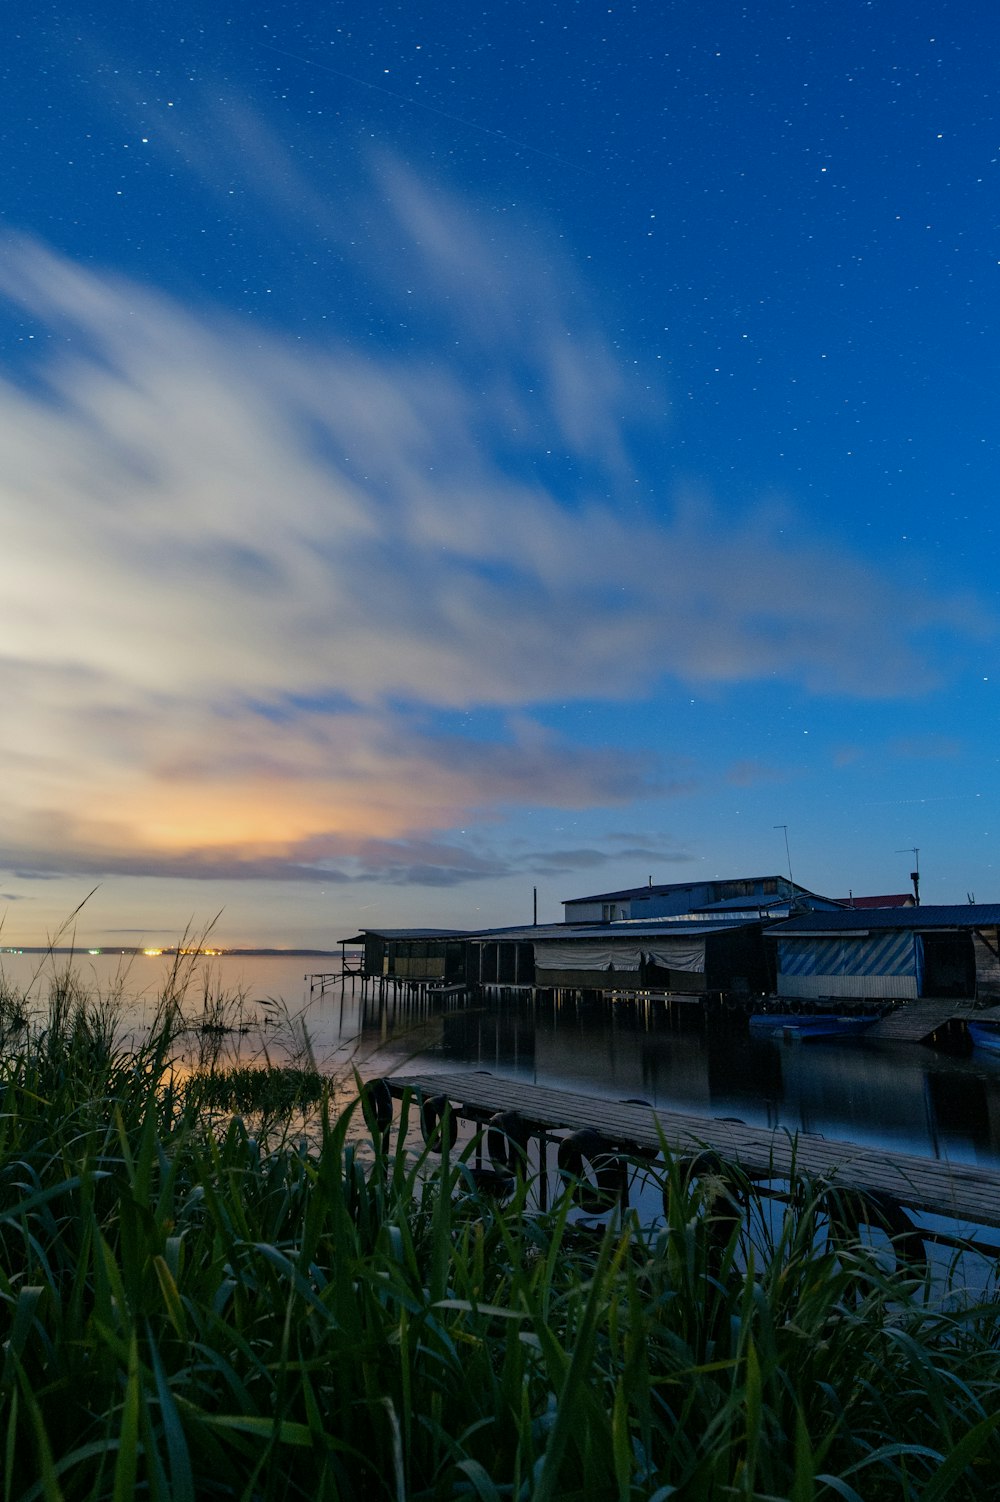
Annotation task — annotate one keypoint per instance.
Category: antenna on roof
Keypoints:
(915, 873)
(787, 856)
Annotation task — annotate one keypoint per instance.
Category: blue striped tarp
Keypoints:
(879, 954)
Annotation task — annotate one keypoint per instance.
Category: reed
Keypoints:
(190, 1309)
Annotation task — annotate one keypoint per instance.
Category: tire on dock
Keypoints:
(507, 1142)
(718, 1193)
(488, 1183)
(376, 1107)
(595, 1172)
(438, 1122)
(851, 1212)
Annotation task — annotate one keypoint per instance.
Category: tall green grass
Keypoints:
(192, 1306)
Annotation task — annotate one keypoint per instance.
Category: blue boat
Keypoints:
(985, 1035)
(788, 1025)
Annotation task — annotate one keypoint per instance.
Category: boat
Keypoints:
(985, 1035)
(788, 1025)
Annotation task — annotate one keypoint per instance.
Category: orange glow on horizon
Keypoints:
(257, 821)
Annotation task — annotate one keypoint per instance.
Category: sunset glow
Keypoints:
(440, 460)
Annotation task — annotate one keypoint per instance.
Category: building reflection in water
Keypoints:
(905, 1096)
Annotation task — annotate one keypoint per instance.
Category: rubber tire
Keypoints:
(507, 1142)
(850, 1209)
(434, 1110)
(723, 1209)
(609, 1175)
(376, 1105)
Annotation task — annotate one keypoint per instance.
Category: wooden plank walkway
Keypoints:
(913, 1021)
(962, 1192)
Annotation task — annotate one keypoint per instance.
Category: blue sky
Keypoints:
(448, 452)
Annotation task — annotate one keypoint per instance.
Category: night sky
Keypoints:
(449, 450)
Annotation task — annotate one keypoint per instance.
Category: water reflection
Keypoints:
(902, 1096)
(916, 1099)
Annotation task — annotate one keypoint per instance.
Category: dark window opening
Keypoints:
(949, 965)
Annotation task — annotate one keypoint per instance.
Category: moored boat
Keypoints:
(985, 1035)
(811, 1025)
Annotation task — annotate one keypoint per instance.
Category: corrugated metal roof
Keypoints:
(408, 933)
(634, 893)
(523, 931)
(759, 904)
(968, 915)
(624, 929)
(892, 899)
(627, 931)
(647, 891)
(741, 904)
(671, 886)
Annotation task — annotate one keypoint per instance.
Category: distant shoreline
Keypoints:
(79, 952)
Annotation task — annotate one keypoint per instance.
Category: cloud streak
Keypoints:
(247, 572)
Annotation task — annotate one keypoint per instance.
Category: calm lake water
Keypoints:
(904, 1096)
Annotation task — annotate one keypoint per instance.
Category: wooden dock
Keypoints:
(961, 1192)
(913, 1021)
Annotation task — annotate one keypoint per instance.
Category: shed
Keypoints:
(670, 955)
(414, 954)
(891, 953)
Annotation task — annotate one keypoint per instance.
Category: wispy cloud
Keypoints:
(750, 773)
(215, 527)
(926, 747)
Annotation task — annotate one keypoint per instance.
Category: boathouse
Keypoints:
(890, 954)
(689, 956)
(694, 957)
(421, 955)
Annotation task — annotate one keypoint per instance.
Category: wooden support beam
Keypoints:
(962, 1192)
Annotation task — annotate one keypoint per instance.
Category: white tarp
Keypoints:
(586, 954)
(679, 954)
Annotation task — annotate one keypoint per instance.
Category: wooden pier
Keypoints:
(914, 1021)
(961, 1192)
